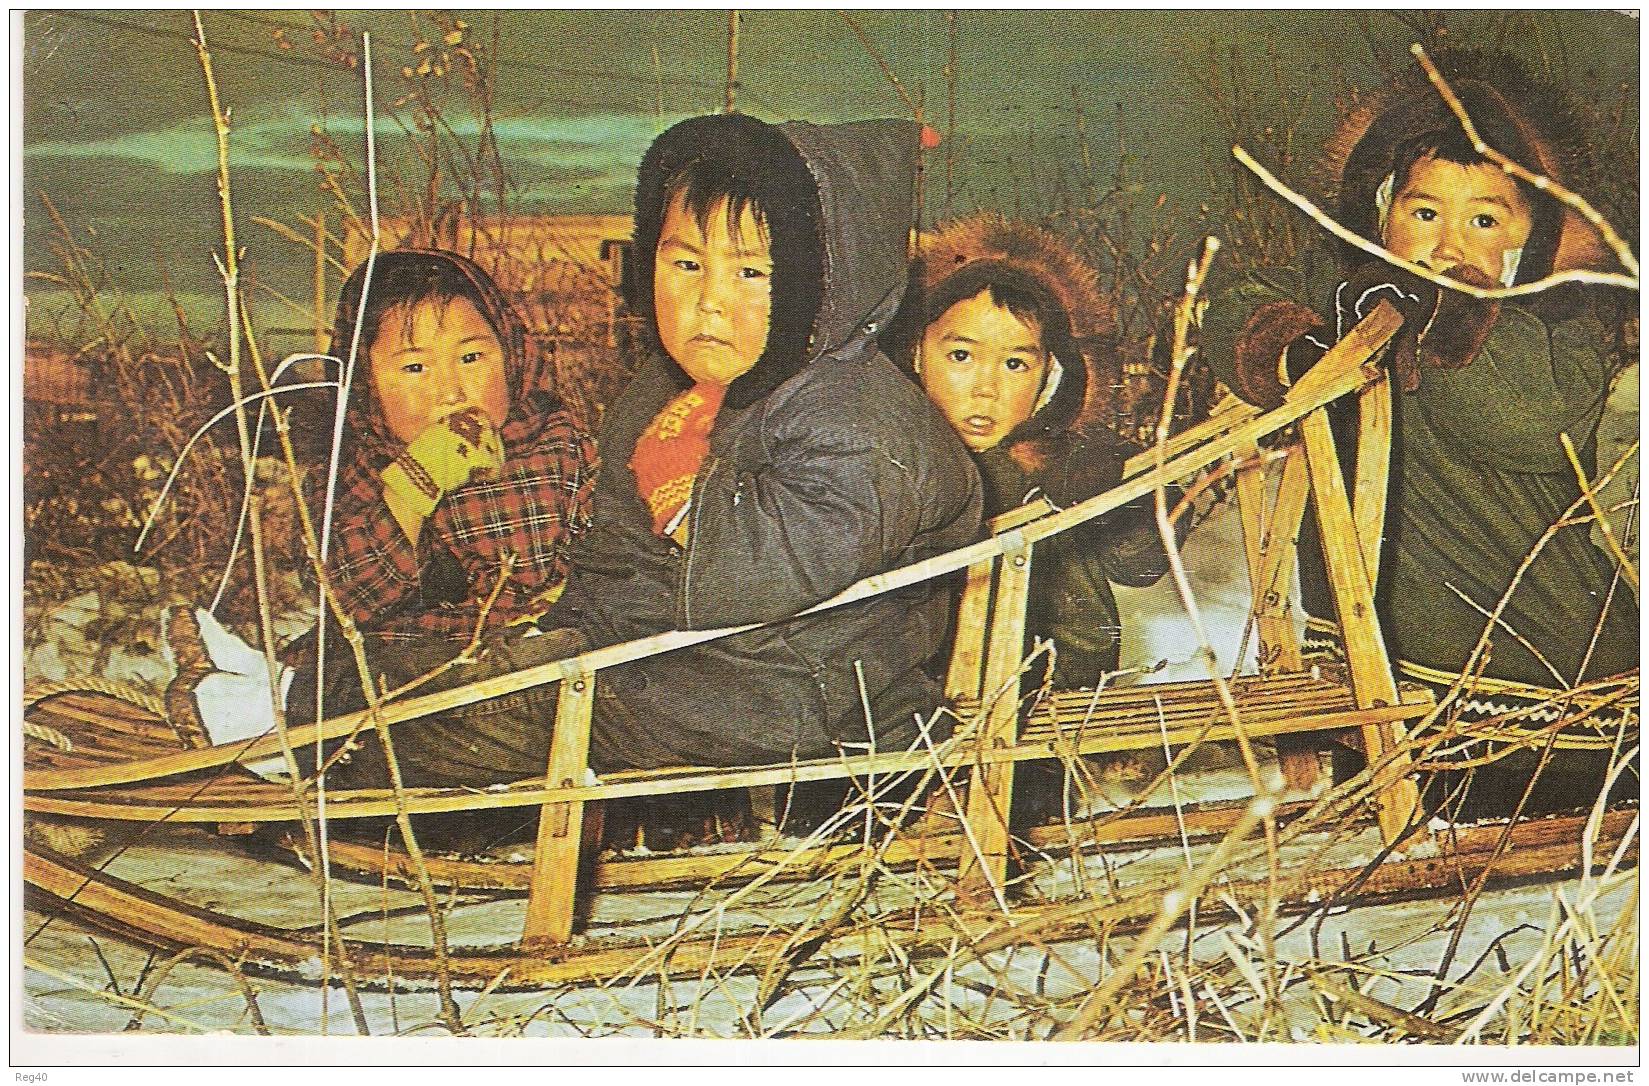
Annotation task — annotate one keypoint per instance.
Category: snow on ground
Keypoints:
(71, 972)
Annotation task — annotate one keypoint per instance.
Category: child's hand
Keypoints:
(1442, 329)
(448, 453)
(1091, 466)
(1377, 282)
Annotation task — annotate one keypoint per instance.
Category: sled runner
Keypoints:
(89, 758)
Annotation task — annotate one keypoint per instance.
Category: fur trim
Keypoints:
(992, 247)
(1028, 249)
(1260, 344)
(1031, 455)
(1507, 106)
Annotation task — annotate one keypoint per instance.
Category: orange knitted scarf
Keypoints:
(669, 453)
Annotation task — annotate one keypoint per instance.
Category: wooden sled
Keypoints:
(1494, 854)
(125, 766)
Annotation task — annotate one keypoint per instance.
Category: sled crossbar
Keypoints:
(1068, 724)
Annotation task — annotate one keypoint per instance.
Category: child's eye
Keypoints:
(686, 265)
(413, 367)
(472, 357)
(753, 273)
(1017, 365)
(960, 355)
(1425, 214)
(1485, 221)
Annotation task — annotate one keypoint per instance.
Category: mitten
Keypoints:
(1376, 282)
(1412, 296)
(1280, 341)
(1126, 539)
(1442, 329)
(447, 454)
(1091, 464)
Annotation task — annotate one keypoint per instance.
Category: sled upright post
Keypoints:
(982, 869)
(553, 895)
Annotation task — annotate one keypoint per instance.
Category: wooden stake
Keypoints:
(551, 901)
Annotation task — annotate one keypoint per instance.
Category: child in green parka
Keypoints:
(1482, 391)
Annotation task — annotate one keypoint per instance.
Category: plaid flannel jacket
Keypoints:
(534, 511)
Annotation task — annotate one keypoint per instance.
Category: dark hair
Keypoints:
(1020, 294)
(408, 283)
(704, 184)
(1026, 306)
(751, 165)
(1445, 146)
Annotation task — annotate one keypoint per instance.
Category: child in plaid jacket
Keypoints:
(463, 475)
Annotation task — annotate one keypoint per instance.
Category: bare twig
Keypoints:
(1549, 185)
(1588, 491)
(1574, 275)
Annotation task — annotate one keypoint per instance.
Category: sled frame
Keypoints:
(984, 672)
(986, 664)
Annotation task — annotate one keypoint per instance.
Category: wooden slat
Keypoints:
(1271, 542)
(967, 659)
(1299, 704)
(1548, 847)
(1144, 828)
(1368, 492)
(1226, 415)
(1278, 547)
(1251, 509)
(1372, 683)
(990, 792)
(561, 825)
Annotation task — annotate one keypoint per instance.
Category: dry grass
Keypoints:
(1206, 940)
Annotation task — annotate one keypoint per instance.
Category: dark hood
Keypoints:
(839, 232)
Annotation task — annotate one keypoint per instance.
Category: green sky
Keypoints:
(117, 133)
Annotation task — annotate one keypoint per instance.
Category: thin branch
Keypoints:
(1568, 197)
(1574, 275)
(887, 70)
(1627, 569)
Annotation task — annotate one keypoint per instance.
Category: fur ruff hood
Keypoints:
(963, 257)
(1531, 122)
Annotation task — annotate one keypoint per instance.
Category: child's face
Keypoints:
(1449, 216)
(712, 292)
(984, 367)
(435, 360)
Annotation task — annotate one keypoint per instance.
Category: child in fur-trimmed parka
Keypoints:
(1000, 329)
(1482, 391)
